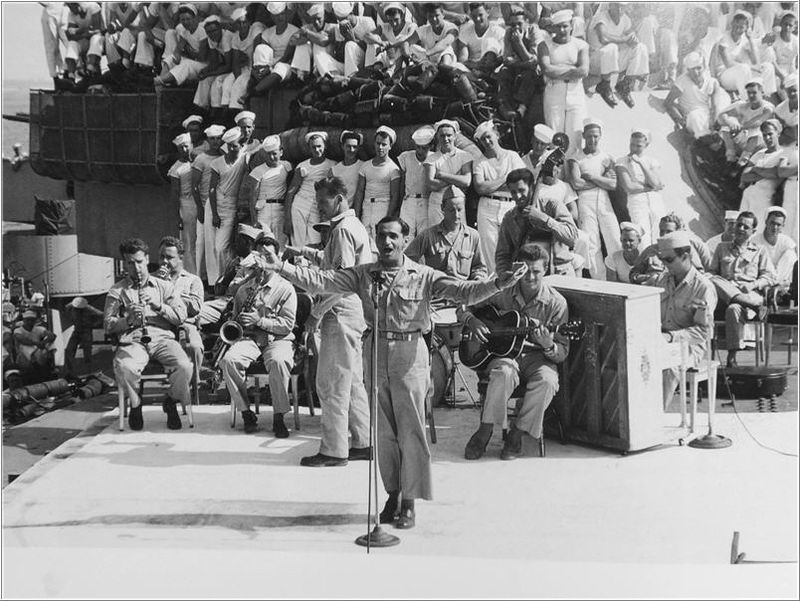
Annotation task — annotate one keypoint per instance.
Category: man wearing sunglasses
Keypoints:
(687, 303)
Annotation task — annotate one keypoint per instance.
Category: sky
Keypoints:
(23, 48)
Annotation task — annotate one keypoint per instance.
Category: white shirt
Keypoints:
(245, 46)
(378, 178)
(270, 181)
(414, 171)
(278, 43)
(476, 45)
(349, 175)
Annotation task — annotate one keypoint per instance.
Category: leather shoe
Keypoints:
(606, 93)
(389, 511)
(173, 419)
(320, 460)
(406, 519)
(476, 446)
(135, 420)
(250, 421)
(360, 454)
(278, 427)
(513, 446)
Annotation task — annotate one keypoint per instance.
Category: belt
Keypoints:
(378, 199)
(500, 198)
(407, 336)
(271, 201)
(415, 196)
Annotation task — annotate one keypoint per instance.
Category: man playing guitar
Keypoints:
(536, 367)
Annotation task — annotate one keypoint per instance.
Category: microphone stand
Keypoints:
(377, 537)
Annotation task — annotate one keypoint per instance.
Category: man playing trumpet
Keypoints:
(144, 311)
(265, 307)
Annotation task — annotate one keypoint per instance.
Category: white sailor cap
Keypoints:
(271, 143)
(790, 81)
(239, 14)
(342, 9)
(232, 135)
(188, 6)
(191, 119)
(29, 314)
(629, 226)
(561, 16)
(483, 129)
(316, 10)
(387, 131)
(347, 133)
(774, 123)
(731, 215)
(692, 60)
(211, 19)
(392, 6)
(592, 122)
(79, 302)
(244, 115)
(543, 133)
(640, 131)
(249, 231)
(673, 240)
(182, 139)
(214, 131)
(447, 123)
(424, 135)
(754, 81)
(313, 134)
(276, 8)
(776, 209)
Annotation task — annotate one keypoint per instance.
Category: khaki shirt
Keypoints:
(687, 308)
(749, 263)
(123, 294)
(548, 307)
(404, 296)
(461, 258)
(276, 305)
(347, 246)
(189, 288)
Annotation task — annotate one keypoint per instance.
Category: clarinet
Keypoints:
(145, 338)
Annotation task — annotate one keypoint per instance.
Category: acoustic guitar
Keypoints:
(508, 333)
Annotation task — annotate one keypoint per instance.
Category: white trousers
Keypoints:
(304, 215)
(790, 205)
(616, 58)
(188, 212)
(698, 122)
(131, 359)
(372, 211)
(565, 108)
(91, 47)
(233, 88)
(278, 357)
(353, 58)
(414, 211)
(145, 53)
(490, 215)
(272, 215)
(187, 70)
(646, 209)
(596, 218)
(210, 91)
(217, 241)
(52, 38)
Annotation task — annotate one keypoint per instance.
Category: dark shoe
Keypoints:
(278, 427)
(135, 420)
(389, 511)
(513, 446)
(406, 519)
(607, 94)
(320, 460)
(360, 454)
(250, 421)
(173, 419)
(624, 92)
(477, 445)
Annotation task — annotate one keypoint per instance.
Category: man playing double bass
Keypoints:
(536, 367)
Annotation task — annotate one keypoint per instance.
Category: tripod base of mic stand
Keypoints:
(710, 441)
(377, 538)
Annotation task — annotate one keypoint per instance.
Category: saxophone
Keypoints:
(232, 331)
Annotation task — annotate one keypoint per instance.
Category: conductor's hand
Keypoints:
(270, 260)
(542, 336)
(480, 329)
(508, 278)
(248, 320)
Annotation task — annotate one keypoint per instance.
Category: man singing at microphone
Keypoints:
(405, 290)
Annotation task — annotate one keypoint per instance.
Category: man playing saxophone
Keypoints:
(144, 312)
(265, 307)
